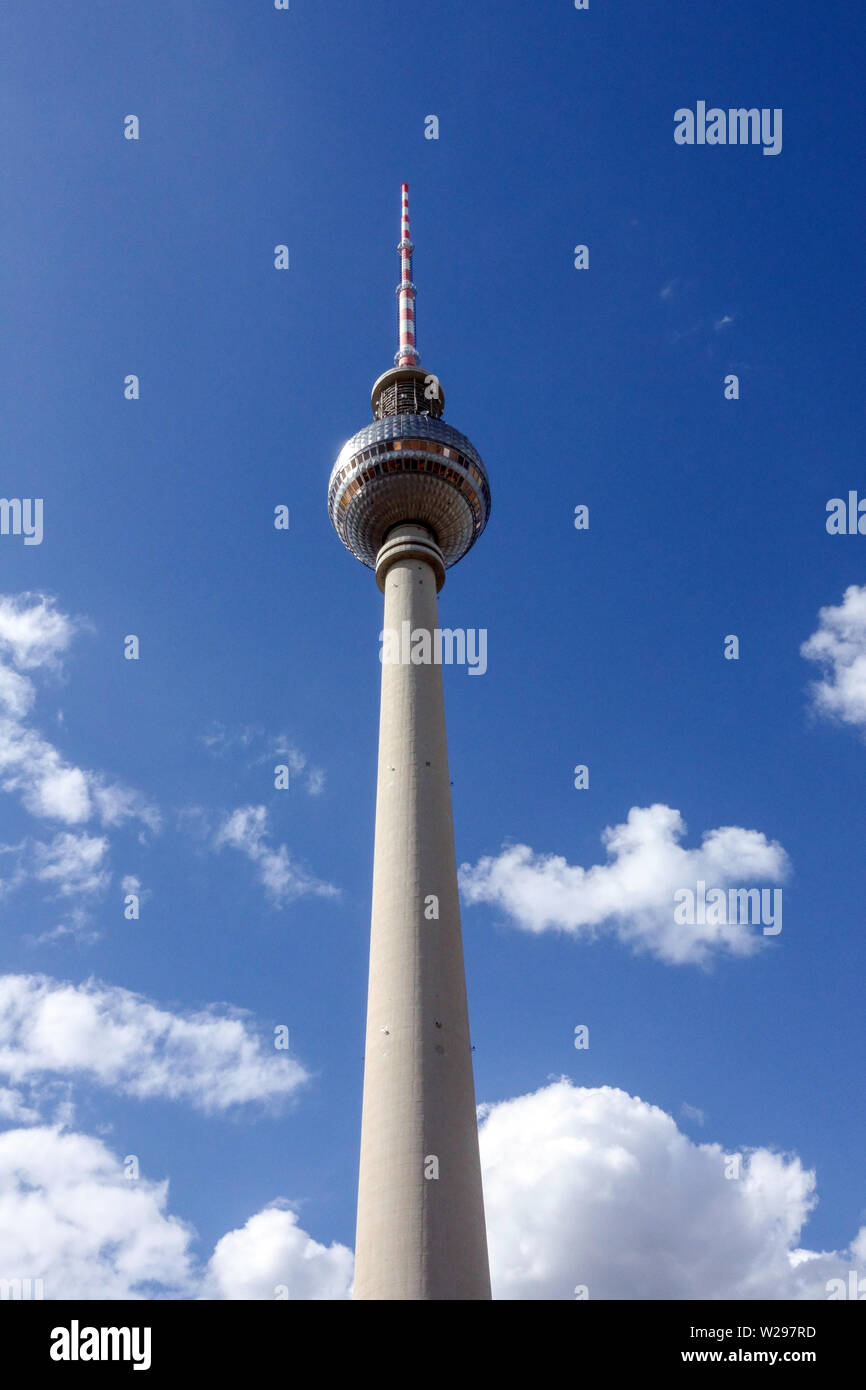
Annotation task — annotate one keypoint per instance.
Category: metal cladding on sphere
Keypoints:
(409, 466)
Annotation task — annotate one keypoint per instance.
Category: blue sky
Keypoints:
(605, 647)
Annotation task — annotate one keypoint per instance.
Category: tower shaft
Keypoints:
(421, 1231)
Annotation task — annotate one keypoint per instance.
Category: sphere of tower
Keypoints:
(408, 468)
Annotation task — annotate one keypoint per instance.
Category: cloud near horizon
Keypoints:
(595, 1187)
(584, 1187)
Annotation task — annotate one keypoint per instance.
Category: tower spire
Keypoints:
(406, 354)
(406, 388)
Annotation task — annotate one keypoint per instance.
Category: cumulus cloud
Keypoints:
(246, 830)
(632, 896)
(34, 634)
(72, 1218)
(582, 1186)
(273, 1252)
(32, 631)
(839, 648)
(594, 1187)
(210, 1058)
(76, 1217)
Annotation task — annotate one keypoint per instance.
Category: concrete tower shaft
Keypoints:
(409, 495)
(421, 1231)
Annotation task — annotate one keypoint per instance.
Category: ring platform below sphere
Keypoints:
(408, 468)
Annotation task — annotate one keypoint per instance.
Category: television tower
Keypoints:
(408, 496)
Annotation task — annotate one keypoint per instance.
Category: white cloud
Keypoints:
(53, 789)
(279, 749)
(219, 739)
(76, 923)
(12, 860)
(315, 781)
(16, 692)
(209, 1058)
(60, 792)
(596, 1187)
(246, 830)
(73, 863)
(582, 1186)
(632, 896)
(72, 1218)
(32, 631)
(114, 804)
(273, 1251)
(33, 634)
(839, 648)
(286, 753)
(13, 1109)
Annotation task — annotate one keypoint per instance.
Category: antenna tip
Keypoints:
(404, 187)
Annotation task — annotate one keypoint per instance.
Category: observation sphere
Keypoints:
(408, 468)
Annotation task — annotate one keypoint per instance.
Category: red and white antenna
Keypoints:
(407, 355)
